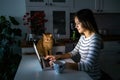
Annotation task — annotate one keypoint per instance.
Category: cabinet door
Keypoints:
(62, 3)
(39, 30)
(58, 19)
(36, 2)
(49, 3)
(111, 6)
(98, 6)
(82, 4)
(60, 22)
(107, 6)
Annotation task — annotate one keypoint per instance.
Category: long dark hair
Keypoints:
(86, 17)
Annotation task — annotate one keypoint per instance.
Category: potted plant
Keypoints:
(35, 21)
(10, 51)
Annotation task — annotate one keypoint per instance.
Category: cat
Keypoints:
(45, 44)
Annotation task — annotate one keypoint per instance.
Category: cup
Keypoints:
(59, 66)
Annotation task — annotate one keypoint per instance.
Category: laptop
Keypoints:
(43, 63)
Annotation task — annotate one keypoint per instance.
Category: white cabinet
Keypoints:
(111, 46)
(111, 6)
(28, 50)
(48, 3)
(98, 6)
(58, 19)
(57, 14)
(108, 6)
(36, 2)
(59, 49)
(81, 4)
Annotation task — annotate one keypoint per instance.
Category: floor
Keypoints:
(110, 60)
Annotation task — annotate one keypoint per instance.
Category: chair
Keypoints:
(105, 76)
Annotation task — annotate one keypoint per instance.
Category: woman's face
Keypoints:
(79, 26)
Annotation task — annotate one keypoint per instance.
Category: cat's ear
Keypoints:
(50, 35)
(43, 34)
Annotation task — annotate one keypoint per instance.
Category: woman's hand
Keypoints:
(52, 59)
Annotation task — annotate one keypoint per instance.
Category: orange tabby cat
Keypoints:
(45, 44)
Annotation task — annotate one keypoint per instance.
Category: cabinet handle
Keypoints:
(46, 3)
(50, 4)
(101, 10)
(98, 10)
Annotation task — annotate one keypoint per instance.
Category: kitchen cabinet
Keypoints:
(108, 6)
(81, 4)
(57, 14)
(112, 6)
(111, 46)
(110, 59)
(58, 20)
(47, 3)
(59, 49)
(98, 6)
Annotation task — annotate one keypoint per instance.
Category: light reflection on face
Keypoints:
(78, 26)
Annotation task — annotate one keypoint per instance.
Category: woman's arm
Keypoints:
(56, 57)
(63, 56)
(52, 58)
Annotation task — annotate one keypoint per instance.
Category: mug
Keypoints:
(59, 66)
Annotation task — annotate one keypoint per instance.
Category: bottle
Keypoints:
(73, 35)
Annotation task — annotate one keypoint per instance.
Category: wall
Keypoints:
(14, 8)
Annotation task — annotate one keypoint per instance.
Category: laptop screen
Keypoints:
(36, 51)
(44, 63)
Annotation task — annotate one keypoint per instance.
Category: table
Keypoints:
(29, 69)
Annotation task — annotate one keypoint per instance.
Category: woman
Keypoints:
(88, 46)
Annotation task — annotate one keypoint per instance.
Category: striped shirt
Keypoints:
(89, 50)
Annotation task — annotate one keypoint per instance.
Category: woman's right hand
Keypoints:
(52, 59)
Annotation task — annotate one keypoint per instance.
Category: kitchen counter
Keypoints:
(62, 42)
